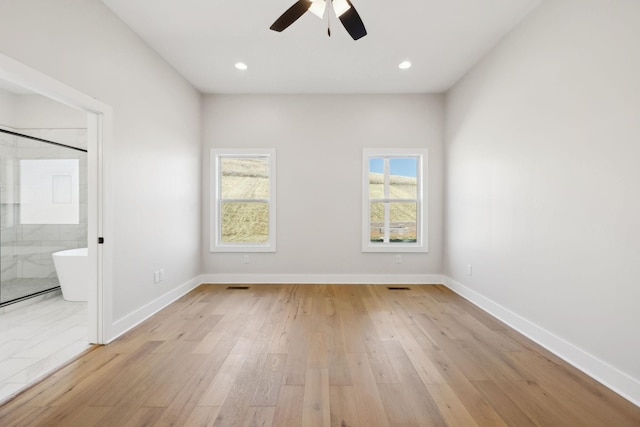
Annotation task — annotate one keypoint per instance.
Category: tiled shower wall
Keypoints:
(27, 249)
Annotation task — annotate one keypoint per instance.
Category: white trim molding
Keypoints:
(100, 208)
(611, 377)
(387, 155)
(218, 199)
(329, 279)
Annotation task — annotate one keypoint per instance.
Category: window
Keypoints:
(393, 206)
(50, 191)
(243, 200)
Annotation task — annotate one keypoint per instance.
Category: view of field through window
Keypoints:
(401, 200)
(244, 199)
(244, 190)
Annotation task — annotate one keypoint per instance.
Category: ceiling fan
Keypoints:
(343, 8)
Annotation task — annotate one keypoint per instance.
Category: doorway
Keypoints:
(98, 134)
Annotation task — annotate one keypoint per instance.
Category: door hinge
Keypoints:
(100, 240)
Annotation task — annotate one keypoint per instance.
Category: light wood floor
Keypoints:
(320, 355)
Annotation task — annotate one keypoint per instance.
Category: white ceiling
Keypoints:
(203, 39)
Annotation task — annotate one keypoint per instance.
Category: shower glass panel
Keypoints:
(43, 209)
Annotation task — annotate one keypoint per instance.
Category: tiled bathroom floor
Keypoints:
(36, 339)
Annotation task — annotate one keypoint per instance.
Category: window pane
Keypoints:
(376, 178)
(376, 186)
(376, 223)
(403, 224)
(403, 178)
(245, 178)
(245, 222)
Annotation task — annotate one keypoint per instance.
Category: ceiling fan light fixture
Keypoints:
(343, 9)
(318, 7)
(340, 7)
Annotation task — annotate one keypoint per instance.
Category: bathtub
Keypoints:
(72, 267)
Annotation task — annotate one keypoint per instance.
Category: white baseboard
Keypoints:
(611, 377)
(330, 279)
(131, 320)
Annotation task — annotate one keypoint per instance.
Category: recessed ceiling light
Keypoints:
(404, 65)
(241, 66)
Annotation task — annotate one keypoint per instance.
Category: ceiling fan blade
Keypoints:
(291, 15)
(352, 23)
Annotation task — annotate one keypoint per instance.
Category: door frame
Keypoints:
(99, 137)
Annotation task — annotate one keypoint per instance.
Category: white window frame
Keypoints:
(216, 245)
(421, 244)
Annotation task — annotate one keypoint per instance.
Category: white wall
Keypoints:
(319, 142)
(37, 111)
(542, 183)
(31, 111)
(7, 109)
(156, 145)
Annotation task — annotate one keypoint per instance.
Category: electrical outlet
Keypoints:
(246, 259)
(161, 274)
(398, 259)
(469, 270)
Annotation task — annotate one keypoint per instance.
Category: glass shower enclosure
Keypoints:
(43, 208)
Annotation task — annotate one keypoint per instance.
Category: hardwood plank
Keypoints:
(367, 397)
(316, 402)
(380, 317)
(259, 417)
(487, 336)
(228, 325)
(397, 406)
(184, 404)
(174, 377)
(350, 323)
(237, 404)
(202, 416)
(503, 404)
(343, 409)
(296, 365)
(85, 416)
(289, 407)
(416, 394)
(473, 401)
(339, 373)
(257, 318)
(217, 392)
(450, 406)
(284, 316)
(269, 385)
(454, 350)
(145, 417)
(381, 366)
(539, 406)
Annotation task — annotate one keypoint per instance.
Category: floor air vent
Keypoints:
(237, 288)
(398, 288)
